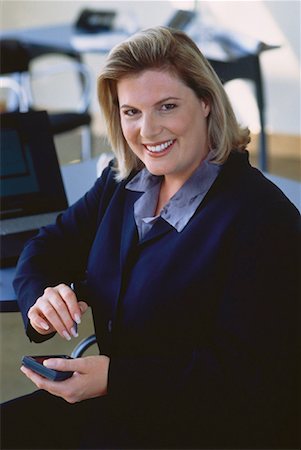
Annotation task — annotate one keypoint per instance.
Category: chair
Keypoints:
(19, 93)
(82, 346)
(16, 61)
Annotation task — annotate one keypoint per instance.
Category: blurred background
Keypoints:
(275, 23)
(272, 22)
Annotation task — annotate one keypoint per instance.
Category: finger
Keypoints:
(57, 298)
(55, 321)
(53, 387)
(37, 379)
(51, 313)
(60, 299)
(38, 322)
(83, 307)
(70, 299)
(54, 317)
(74, 365)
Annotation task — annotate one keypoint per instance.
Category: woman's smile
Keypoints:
(161, 149)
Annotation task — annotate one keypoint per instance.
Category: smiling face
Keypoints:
(164, 123)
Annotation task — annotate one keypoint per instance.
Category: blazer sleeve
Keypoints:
(59, 252)
(241, 381)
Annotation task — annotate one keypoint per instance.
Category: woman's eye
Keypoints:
(168, 106)
(130, 112)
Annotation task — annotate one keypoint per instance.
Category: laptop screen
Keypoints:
(30, 175)
(17, 171)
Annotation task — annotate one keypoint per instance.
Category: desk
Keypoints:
(78, 178)
(65, 40)
(233, 60)
(8, 302)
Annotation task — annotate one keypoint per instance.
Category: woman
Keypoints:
(189, 257)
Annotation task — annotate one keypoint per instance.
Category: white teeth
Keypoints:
(159, 148)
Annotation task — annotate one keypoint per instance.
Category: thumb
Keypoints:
(65, 365)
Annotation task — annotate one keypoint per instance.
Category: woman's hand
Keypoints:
(57, 310)
(90, 378)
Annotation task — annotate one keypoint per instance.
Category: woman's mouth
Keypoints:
(159, 149)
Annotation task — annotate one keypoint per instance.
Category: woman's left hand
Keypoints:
(90, 378)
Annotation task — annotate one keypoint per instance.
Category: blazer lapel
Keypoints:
(160, 228)
(129, 233)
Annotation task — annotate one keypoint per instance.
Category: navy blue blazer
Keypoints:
(201, 326)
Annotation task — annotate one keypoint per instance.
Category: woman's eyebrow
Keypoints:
(167, 99)
(163, 100)
(127, 106)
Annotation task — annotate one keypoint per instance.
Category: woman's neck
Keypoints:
(167, 190)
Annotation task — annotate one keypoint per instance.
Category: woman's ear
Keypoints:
(205, 104)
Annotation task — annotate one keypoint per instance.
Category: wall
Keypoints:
(274, 22)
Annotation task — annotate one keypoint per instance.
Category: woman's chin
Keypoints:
(155, 171)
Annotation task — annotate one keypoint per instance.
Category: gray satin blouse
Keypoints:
(181, 207)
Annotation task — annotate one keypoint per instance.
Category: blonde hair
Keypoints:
(173, 51)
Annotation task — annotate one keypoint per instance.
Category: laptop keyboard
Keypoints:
(19, 224)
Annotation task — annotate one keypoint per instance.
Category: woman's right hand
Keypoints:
(57, 310)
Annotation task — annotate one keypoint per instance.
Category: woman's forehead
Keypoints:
(150, 83)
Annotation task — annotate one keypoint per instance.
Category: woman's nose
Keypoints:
(150, 126)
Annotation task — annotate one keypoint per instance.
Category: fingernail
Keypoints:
(46, 364)
(44, 325)
(77, 318)
(66, 335)
(74, 332)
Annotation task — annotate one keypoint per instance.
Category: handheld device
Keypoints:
(35, 363)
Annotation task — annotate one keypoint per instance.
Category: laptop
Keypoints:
(32, 192)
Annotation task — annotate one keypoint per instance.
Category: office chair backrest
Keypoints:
(14, 72)
(15, 60)
(20, 100)
(14, 57)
